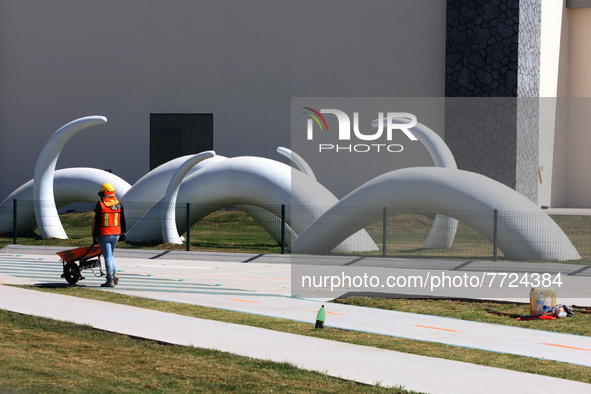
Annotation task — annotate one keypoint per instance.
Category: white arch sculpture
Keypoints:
(168, 220)
(296, 159)
(45, 210)
(78, 184)
(451, 192)
(168, 209)
(444, 228)
(253, 181)
(151, 187)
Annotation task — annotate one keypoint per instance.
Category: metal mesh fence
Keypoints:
(408, 235)
(271, 229)
(578, 229)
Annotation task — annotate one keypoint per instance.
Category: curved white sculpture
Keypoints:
(45, 210)
(150, 188)
(453, 193)
(78, 184)
(253, 181)
(296, 159)
(168, 222)
(170, 232)
(444, 228)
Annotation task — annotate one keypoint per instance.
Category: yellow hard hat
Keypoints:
(107, 194)
(107, 187)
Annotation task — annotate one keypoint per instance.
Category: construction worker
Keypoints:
(108, 229)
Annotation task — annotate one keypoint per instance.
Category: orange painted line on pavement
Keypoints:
(435, 328)
(339, 314)
(567, 347)
(236, 299)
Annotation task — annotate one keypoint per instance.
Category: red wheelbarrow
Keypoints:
(76, 260)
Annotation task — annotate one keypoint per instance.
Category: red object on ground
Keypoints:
(80, 253)
(548, 316)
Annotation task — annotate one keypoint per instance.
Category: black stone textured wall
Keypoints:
(482, 48)
(492, 60)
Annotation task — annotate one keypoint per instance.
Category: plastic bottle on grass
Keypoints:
(320, 317)
(539, 308)
(547, 303)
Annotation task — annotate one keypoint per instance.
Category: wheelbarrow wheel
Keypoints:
(71, 273)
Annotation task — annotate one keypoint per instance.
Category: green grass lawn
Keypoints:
(580, 324)
(41, 355)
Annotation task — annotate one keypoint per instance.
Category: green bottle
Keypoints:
(320, 318)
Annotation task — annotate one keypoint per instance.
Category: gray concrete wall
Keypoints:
(240, 60)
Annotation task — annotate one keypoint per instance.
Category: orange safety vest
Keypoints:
(110, 219)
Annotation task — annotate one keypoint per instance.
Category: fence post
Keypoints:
(384, 230)
(282, 229)
(495, 233)
(14, 222)
(188, 245)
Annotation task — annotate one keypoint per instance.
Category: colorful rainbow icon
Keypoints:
(315, 115)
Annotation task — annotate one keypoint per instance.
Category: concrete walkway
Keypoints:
(546, 345)
(363, 364)
(256, 284)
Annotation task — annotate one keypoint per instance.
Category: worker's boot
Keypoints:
(109, 283)
(115, 279)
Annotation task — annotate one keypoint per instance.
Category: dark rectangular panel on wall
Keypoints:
(165, 138)
(175, 135)
(197, 133)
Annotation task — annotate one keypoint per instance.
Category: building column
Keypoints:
(492, 89)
